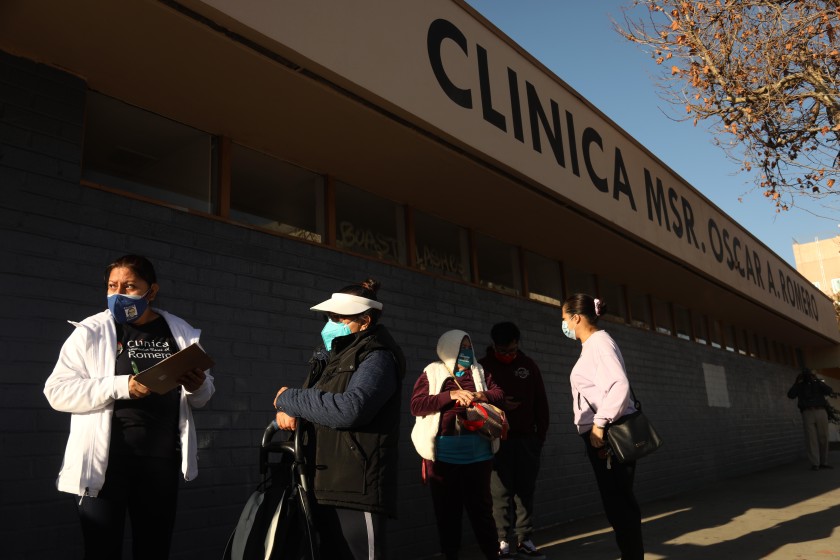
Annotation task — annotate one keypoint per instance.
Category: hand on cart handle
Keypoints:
(284, 421)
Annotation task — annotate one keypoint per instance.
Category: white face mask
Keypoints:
(569, 332)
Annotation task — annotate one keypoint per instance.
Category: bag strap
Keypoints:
(636, 402)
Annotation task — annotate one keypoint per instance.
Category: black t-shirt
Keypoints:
(147, 426)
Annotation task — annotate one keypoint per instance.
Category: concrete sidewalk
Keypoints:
(783, 513)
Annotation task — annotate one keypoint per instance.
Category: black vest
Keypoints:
(356, 468)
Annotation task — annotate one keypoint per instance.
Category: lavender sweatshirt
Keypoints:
(599, 377)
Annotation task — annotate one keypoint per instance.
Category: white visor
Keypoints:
(347, 304)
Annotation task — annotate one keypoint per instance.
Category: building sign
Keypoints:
(448, 73)
(583, 152)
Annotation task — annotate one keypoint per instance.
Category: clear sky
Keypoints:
(575, 40)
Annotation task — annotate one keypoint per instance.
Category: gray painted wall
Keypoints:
(250, 293)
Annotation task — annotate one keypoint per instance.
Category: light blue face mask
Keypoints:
(126, 308)
(569, 332)
(333, 330)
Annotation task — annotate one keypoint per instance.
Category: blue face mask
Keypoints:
(569, 332)
(126, 308)
(333, 330)
(465, 358)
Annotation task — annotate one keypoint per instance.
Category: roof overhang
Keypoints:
(207, 65)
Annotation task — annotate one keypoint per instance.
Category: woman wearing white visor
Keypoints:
(351, 402)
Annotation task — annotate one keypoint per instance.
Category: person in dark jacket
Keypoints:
(517, 463)
(810, 393)
(351, 400)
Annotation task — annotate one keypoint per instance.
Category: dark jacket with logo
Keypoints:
(355, 466)
(521, 380)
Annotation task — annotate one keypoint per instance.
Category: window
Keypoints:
(442, 247)
(752, 343)
(761, 346)
(728, 333)
(729, 337)
(701, 328)
(578, 281)
(498, 265)
(683, 322)
(276, 195)
(639, 310)
(662, 316)
(787, 354)
(369, 225)
(742, 341)
(140, 152)
(715, 334)
(544, 279)
(613, 294)
(835, 285)
(779, 351)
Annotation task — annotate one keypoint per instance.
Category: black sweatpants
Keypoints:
(456, 488)
(349, 534)
(147, 489)
(616, 487)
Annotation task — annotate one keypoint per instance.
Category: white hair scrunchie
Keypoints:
(597, 307)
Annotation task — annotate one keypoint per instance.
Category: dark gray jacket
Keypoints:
(811, 392)
(353, 404)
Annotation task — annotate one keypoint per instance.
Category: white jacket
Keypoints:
(426, 427)
(83, 383)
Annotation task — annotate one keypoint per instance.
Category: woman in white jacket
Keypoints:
(127, 445)
(457, 462)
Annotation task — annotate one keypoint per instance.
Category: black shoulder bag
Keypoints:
(632, 436)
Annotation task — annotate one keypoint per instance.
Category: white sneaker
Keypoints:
(504, 551)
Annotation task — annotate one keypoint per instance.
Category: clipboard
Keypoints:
(162, 377)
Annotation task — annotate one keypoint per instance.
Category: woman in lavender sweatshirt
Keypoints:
(601, 393)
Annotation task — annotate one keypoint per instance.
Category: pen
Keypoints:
(134, 367)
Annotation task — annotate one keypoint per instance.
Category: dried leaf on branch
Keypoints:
(764, 73)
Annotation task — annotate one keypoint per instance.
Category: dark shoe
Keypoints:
(528, 550)
(815, 468)
(826, 467)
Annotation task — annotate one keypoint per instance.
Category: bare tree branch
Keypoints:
(764, 73)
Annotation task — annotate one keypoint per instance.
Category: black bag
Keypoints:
(632, 436)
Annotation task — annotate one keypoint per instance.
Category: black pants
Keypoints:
(456, 488)
(616, 487)
(348, 534)
(147, 489)
(515, 469)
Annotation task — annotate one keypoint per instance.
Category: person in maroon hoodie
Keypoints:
(517, 463)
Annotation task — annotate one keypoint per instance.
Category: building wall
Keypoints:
(819, 262)
(250, 292)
